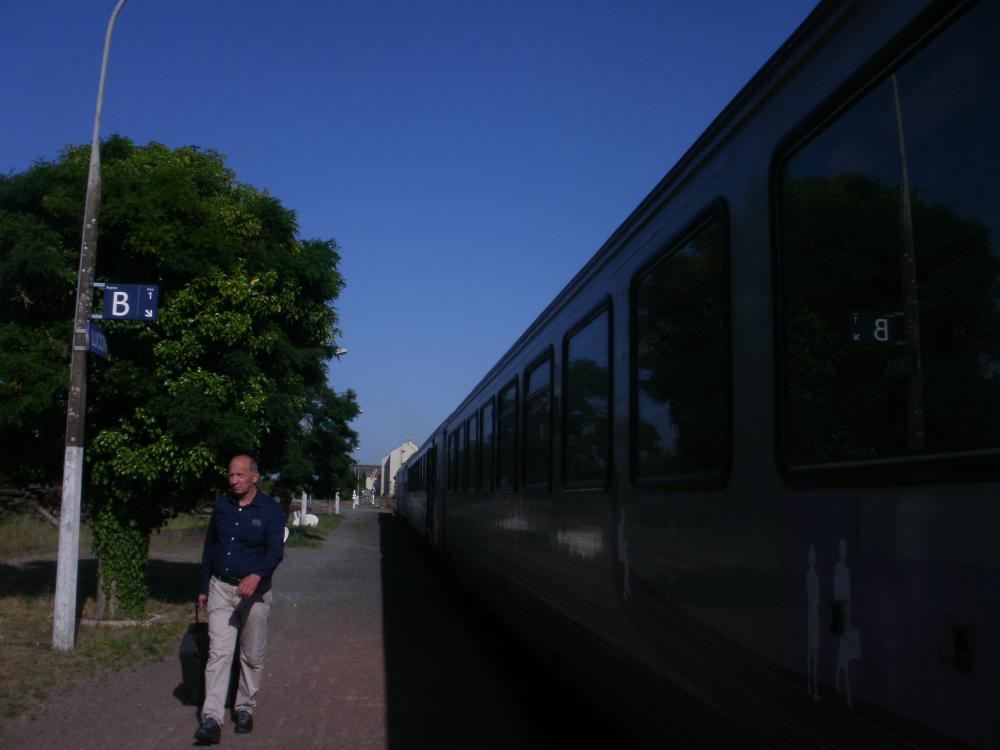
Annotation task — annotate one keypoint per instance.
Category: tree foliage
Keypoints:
(843, 251)
(236, 361)
(681, 337)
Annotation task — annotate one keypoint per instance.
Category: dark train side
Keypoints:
(748, 461)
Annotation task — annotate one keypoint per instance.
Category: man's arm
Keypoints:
(274, 535)
(274, 538)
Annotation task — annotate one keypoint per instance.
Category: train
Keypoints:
(746, 465)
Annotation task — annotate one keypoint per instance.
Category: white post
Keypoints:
(64, 606)
(64, 613)
(337, 511)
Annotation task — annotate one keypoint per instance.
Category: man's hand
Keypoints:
(248, 584)
(202, 601)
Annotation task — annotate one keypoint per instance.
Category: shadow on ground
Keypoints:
(173, 582)
(434, 699)
(169, 581)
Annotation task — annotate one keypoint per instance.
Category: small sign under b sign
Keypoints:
(97, 342)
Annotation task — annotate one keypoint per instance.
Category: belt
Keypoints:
(231, 580)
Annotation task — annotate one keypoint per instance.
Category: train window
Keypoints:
(452, 462)
(472, 454)
(486, 447)
(461, 483)
(889, 241)
(587, 402)
(538, 424)
(415, 476)
(507, 436)
(680, 359)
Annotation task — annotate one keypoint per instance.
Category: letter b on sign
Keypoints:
(881, 331)
(119, 304)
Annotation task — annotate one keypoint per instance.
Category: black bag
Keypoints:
(194, 657)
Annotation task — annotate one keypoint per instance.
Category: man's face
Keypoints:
(241, 477)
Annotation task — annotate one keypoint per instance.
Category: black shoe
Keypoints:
(209, 732)
(244, 722)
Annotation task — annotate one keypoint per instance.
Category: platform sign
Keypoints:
(97, 341)
(874, 327)
(130, 301)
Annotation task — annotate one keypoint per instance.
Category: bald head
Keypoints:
(243, 476)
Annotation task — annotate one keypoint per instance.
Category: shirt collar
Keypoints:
(253, 501)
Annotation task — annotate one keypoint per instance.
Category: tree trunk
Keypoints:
(122, 549)
(106, 604)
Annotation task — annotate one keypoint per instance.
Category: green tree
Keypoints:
(236, 361)
(681, 351)
(842, 247)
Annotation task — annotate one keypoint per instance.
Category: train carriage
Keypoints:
(748, 461)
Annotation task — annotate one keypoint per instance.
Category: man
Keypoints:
(243, 546)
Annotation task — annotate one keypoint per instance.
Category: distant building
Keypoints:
(390, 465)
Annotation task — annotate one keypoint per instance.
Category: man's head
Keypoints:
(243, 475)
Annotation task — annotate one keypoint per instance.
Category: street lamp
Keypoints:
(64, 613)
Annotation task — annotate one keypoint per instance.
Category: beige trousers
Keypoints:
(231, 618)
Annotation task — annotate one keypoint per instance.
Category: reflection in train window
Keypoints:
(472, 454)
(486, 447)
(461, 483)
(538, 424)
(507, 436)
(452, 462)
(413, 476)
(680, 371)
(890, 258)
(587, 403)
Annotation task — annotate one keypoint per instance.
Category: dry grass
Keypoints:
(29, 668)
(26, 535)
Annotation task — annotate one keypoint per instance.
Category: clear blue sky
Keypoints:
(468, 157)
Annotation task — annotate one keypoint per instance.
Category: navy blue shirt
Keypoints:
(241, 541)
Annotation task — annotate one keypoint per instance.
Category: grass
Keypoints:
(30, 669)
(26, 534)
(313, 536)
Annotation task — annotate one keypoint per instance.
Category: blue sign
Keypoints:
(97, 342)
(130, 301)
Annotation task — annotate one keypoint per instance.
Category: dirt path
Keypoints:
(366, 651)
